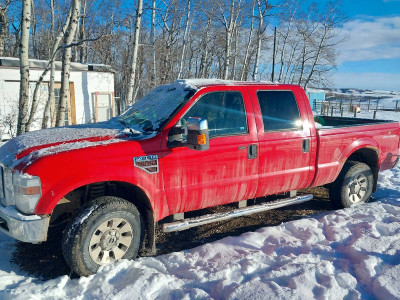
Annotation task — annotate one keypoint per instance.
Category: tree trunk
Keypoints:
(184, 40)
(236, 53)
(246, 56)
(24, 67)
(228, 40)
(204, 55)
(82, 34)
(50, 66)
(50, 97)
(153, 44)
(303, 63)
(259, 38)
(285, 39)
(3, 28)
(33, 30)
(135, 51)
(315, 62)
(66, 61)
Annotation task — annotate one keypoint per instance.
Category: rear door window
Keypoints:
(279, 110)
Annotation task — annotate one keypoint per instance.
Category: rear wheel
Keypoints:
(353, 185)
(104, 230)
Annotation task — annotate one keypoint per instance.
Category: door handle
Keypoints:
(252, 151)
(306, 145)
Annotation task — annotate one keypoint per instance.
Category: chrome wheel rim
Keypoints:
(110, 241)
(357, 188)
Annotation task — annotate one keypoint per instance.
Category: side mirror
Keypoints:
(197, 135)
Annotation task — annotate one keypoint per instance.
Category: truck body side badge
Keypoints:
(147, 163)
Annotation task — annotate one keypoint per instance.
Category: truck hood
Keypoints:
(49, 141)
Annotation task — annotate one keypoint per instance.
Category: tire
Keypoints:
(353, 185)
(103, 231)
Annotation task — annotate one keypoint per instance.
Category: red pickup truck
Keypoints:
(183, 147)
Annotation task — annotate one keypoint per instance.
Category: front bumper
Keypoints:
(30, 229)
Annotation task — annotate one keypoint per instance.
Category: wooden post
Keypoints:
(331, 111)
(355, 112)
(341, 111)
(374, 114)
(322, 111)
(341, 102)
(315, 105)
(397, 105)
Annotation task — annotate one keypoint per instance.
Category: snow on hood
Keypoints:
(47, 141)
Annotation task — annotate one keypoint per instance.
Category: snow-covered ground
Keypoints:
(386, 98)
(351, 253)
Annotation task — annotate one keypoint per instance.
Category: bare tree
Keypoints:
(263, 7)
(229, 28)
(328, 38)
(188, 8)
(24, 67)
(153, 44)
(287, 24)
(246, 59)
(217, 38)
(82, 33)
(205, 52)
(138, 21)
(49, 67)
(66, 61)
(3, 25)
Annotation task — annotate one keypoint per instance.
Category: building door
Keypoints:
(70, 113)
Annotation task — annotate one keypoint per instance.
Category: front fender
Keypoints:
(64, 172)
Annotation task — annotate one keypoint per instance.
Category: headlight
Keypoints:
(27, 192)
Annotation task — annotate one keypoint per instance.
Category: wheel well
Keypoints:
(70, 203)
(369, 157)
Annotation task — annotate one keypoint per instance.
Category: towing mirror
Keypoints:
(197, 134)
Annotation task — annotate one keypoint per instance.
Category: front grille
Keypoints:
(1, 183)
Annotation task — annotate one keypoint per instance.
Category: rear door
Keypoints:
(226, 172)
(285, 140)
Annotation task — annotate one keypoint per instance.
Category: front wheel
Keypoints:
(104, 230)
(353, 186)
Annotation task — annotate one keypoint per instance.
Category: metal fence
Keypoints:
(339, 107)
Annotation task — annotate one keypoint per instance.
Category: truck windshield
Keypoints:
(152, 111)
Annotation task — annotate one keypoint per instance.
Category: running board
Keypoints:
(249, 210)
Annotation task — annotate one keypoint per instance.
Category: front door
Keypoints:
(225, 173)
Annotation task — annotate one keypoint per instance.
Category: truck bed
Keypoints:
(338, 138)
(327, 122)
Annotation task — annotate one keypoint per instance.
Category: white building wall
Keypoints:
(86, 84)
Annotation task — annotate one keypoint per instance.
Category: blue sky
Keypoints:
(370, 58)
